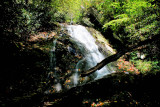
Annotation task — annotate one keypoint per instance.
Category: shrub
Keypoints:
(126, 67)
(143, 66)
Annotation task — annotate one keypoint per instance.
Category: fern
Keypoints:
(116, 24)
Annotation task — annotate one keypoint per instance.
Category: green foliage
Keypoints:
(144, 29)
(155, 66)
(130, 20)
(136, 9)
(143, 66)
(69, 10)
(22, 19)
(115, 25)
(28, 22)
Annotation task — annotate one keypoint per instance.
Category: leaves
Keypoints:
(130, 20)
(71, 9)
(126, 66)
(116, 24)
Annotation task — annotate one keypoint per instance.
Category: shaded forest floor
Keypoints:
(115, 90)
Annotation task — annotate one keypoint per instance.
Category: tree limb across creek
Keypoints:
(118, 55)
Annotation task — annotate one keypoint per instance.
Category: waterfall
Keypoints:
(52, 58)
(91, 56)
(90, 51)
(53, 71)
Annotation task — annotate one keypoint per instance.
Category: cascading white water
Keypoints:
(91, 56)
(87, 44)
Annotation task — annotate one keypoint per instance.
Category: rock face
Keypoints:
(69, 56)
(102, 42)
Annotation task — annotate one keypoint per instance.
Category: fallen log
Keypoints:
(118, 55)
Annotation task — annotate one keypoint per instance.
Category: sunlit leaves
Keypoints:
(116, 24)
(130, 20)
(71, 9)
(143, 29)
(136, 8)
